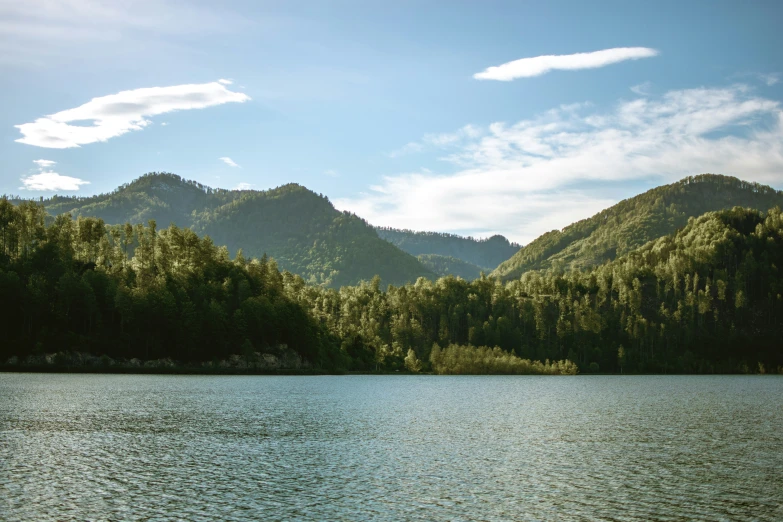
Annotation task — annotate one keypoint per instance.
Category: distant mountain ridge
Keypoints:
(300, 229)
(485, 254)
(633, 222)
(447, 265)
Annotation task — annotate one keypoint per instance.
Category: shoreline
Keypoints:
(187, 370)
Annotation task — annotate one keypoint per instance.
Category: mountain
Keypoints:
(705, 299)
(635, 221)
(301, 230)
(447, 265)
(483, 253)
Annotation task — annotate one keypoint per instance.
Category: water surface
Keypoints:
(391, 447)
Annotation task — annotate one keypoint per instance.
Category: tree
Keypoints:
(412, 363)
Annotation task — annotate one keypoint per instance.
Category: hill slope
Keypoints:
(447, 265)
(635, 221)
(301, 230)
(483, 253)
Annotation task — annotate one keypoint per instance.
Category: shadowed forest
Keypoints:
(704, 299)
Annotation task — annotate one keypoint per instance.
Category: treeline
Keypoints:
(134, 291)
(446, 265)
(483, 253)
(705, 299)
(299, 228)
(458, 360)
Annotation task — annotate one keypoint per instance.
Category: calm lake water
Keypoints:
(390, 448)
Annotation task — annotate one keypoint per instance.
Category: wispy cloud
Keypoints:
(408, 148)
(331, 173)
(770, 79)
(49, 180)
(103, 19)
(42, 163)
(453, 138)
(642, 89)
(443, 139)
(225, 82)
(117, 114)
(244, 186)
(228, 161)
(538, 65)
(568, 163)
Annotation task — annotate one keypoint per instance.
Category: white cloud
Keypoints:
(117, 114)
(642, 89)
(228, 161)
(408, 148)
(104, 19)
(453, 138)
(50, 181)
(444, 139)
(244, 186)
(536, 66)
(42, 163)
(529, 177)
(225, 82)
(770, 79)
(43, 34)
(163, 124)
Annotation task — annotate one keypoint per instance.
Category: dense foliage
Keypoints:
(300, 229)
(456, 360)
(137, 292)
(483, 253)
(307, 236)
(446, 265)
(633, 222)
(705, 299)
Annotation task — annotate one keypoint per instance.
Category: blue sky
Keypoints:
(392, 108)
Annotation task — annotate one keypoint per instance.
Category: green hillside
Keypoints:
(704, 299)
(298, 228)
(307, 236)
(484, 253)
(635, 221)
(447, 265)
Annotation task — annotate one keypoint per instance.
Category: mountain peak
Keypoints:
(634, 221)
(298, 227)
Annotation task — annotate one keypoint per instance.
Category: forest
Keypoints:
(633, 222)
(704, 299)
(479, 254)
(135, 291)
(299, 228)
(447, 265)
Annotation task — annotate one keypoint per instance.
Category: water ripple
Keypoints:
(117, 447)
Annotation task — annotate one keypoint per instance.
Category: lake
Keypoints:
(390, 447)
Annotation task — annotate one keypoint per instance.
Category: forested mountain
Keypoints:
(635, 221)
(139, 292)
(483, 253)
(301, 230)
(447, 265)
(704, 299)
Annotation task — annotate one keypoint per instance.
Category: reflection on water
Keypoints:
(391, 447)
